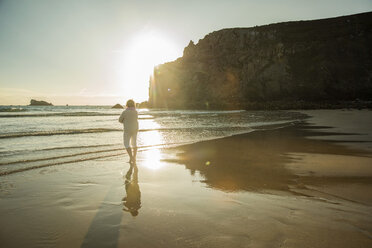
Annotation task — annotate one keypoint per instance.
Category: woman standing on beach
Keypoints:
(129, 118)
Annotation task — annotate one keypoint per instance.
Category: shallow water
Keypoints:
(34, 137)
(80, 204)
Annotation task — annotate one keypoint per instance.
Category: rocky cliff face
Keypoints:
(321, 60)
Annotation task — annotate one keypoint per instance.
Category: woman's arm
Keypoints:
(121, 118)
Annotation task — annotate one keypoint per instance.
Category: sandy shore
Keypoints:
(305, 185)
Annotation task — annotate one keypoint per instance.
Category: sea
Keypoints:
(33, 137)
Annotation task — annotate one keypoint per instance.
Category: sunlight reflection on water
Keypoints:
(152, 156)
(152, 159)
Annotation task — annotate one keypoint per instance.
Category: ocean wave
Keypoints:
(165, 129)
(74, 158)
(6, 154)
(75, 131)
(3, 173)
(145, 116)
(57, 132)
(193, 113)
(12, 109)
(59, 157)
(77, 147)
(71, 132)
(118, 148)
(57, 114)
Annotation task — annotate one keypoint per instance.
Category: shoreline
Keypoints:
(268, 188)
(283, 159)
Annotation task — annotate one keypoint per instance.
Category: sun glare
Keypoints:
(152, 156)
(138, 59)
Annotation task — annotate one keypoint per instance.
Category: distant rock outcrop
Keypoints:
(39, 103)
(144, 104)
(118, 106)
(326, 60)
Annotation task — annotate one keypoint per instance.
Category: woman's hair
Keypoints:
(130, 104)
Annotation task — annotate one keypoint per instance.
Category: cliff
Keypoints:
(328, 60)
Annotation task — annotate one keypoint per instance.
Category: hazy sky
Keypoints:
(100, 51)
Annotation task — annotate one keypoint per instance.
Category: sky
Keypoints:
(102, 52)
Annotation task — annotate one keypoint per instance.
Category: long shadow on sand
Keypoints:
(104, 229)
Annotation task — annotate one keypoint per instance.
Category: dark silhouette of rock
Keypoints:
(39, 103)
(144, 104)
(118, 106)
(306, 63)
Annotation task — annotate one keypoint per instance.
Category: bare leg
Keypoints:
(134, 146)
(129, 150)
(134, 154)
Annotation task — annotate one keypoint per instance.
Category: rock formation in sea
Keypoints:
(144, 104)
(117, 106)
(39, 103)
(327, 60)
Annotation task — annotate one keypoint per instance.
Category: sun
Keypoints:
(138, 59)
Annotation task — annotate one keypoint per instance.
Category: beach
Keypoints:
(298, 181)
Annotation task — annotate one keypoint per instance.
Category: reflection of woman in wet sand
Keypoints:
(132, 202)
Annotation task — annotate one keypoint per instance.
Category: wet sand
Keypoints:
(305, 185)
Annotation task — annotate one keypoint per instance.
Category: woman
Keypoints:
(129, 118)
